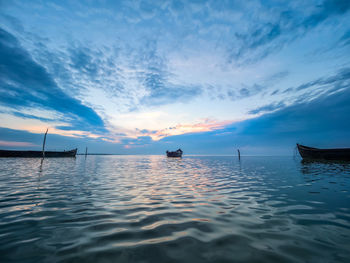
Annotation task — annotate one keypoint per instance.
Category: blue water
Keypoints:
(156, 209)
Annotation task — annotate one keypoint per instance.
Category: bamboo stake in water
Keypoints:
(239, 154)
(86, 152)
(44, 142)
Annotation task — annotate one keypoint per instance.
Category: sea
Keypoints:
(148, 208)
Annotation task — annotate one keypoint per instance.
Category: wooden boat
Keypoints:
(177, 153)
(30, 154)
(309, 153)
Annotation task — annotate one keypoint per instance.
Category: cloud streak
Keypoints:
(24, 83)
(288, 25)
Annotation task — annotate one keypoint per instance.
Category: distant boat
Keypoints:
(306, 152)
(8, 153)
(177, 153)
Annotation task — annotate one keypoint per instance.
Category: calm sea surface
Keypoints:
(154, 209)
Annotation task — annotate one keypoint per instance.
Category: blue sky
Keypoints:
(141, 77)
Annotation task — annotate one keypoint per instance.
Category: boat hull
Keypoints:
(174, 154)
(309, 153)
(34, 154)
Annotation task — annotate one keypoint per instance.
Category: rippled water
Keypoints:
(156, 209)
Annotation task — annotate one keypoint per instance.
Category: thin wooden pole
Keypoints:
(44, 142)
(239, 154)
(86, 152)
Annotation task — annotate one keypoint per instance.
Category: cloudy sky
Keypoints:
(141, 77)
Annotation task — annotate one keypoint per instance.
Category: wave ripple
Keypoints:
(154, 209)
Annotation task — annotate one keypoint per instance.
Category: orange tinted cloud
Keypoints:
(12, 143)
(206, 125)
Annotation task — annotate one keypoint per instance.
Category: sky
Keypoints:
(143, 77)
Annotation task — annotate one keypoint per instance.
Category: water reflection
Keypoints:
(325, 168)
(157, 209)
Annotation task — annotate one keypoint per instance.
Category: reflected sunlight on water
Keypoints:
(158, 209)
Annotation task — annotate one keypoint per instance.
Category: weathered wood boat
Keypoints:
(177, 153)
(310, 153)
(30, 154)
